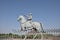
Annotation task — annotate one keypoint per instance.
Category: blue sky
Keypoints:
(45, 11)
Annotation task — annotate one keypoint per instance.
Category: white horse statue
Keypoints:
(26, 25)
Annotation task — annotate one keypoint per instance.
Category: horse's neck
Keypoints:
(23, 21)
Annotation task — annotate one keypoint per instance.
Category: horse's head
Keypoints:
(21, 18)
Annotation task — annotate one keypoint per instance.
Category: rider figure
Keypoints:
(29, 19)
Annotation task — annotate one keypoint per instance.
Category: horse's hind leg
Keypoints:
(25, 37)
(34, 36)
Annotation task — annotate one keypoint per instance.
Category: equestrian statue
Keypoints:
(29, 25)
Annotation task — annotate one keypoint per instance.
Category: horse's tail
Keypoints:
(42, 30)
